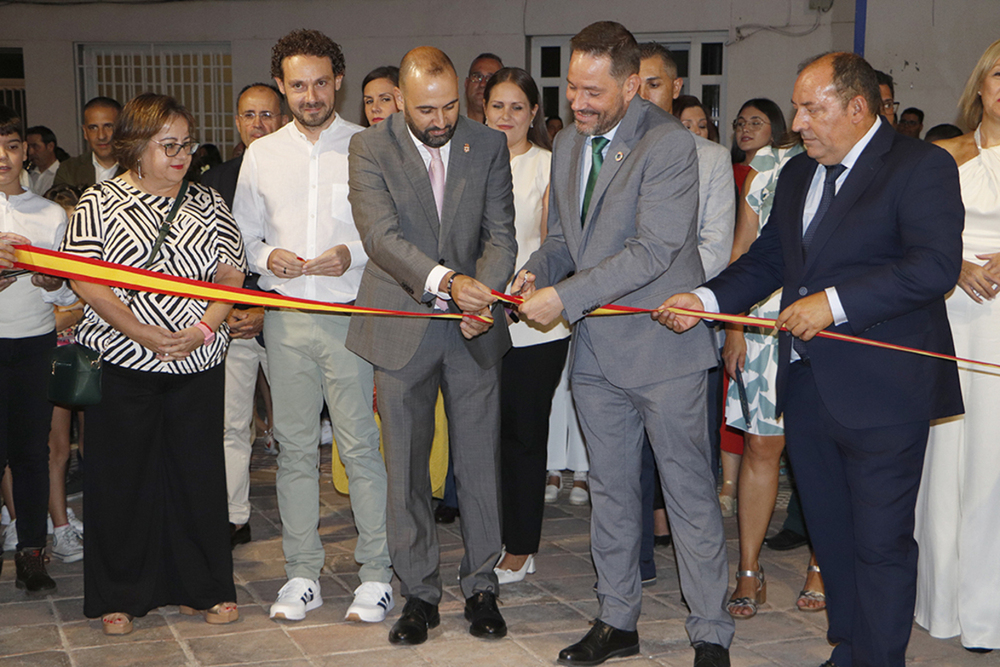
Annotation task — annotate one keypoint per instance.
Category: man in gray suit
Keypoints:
(432, 199)
(623, 221)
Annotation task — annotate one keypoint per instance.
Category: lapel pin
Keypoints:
(619, 156)
(465, 149)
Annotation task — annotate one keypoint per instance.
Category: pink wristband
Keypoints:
(207, 332)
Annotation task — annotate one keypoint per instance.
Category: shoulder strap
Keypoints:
(161, 237)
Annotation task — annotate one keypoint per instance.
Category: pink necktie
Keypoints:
(436, 171)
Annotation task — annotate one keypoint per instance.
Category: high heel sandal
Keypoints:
(807, 596)
(117, 623)
(220, 614)
(749, 602)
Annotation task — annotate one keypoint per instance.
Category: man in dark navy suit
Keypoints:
(865, 234)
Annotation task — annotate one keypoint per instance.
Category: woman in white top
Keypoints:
(532, 367)
(957, 523)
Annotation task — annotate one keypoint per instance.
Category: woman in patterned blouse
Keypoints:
(155, 488)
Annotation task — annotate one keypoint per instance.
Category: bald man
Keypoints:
(431, 195)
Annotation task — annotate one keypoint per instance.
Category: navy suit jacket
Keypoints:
(891, 244)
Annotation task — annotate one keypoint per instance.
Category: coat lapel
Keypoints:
(616, 156)
(413, 167)
(458, 170)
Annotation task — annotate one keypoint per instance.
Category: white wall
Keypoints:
(930, 46)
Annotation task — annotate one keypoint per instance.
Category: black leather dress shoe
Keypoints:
(446, 514)
(829, 663)
(601, 643)
(481, 611)
(238, 536)
(417, 618)
(786, 540)
(710, 655)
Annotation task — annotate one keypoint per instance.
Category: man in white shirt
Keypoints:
(292, 191)
(98, 164)
(41, 144)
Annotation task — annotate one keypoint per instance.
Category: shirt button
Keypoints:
(803, 291)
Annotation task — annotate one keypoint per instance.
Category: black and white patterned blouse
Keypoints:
(118, 223)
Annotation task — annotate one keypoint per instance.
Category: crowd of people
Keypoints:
(432, 213)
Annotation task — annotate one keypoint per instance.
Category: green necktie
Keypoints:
(597, 145)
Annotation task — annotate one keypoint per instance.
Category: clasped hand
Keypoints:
(543, 306)
(474, 299)
(169, 345)
(286, 264)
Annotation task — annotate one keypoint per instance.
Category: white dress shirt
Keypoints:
(292, 194)
(41, 181)
(813, 197)
(102, 173)
(26, 310)
(588, 159)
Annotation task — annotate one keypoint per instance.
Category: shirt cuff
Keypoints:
(708, 301)
(434, 281)
(64, 296)
(263, 254)
(358, 256)
(839, 316)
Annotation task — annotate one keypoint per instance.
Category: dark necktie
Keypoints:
(597, 145)
(833, 172)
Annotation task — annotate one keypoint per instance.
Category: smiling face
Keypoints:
(509, 111)
(158, 170)
(98, 127)
(12, 156)
(258, 114)
(694, 119)
(310, 87)
(753, 131)
(657, 84)
(430, 106)
(828, 127)
(379, 100)
(597, 99)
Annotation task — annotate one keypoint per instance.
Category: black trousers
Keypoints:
(155, 494)
(528, 379)
(25, 418)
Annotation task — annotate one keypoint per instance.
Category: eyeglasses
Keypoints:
(479, 77)
(754, 124)
(173, 149)
(250, 116)
(889, 105)
(909, 123)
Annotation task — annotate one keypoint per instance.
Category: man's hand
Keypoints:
(285, 264)
(245, 324)
(47, 283)
(679, 323)
(470, 295)
(544, 306)
(472, 328)
(334, 262)
(523, 285)
(806, 317)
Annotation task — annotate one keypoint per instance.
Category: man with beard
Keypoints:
(623, 228)
(291, 204)
(432, 198)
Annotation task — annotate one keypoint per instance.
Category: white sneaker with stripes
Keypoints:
(372, 601)
(295, 598)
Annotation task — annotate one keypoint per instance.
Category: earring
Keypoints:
(138, 166)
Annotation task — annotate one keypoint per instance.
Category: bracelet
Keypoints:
(456, 274)
(207, 332)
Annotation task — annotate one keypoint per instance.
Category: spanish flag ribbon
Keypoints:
(73, 267)
(763, 323)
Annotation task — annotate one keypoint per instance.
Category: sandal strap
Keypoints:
(812, 595)
(753, 574)
(813, 568)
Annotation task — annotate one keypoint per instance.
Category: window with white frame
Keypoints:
(199, 76)
(700, 62)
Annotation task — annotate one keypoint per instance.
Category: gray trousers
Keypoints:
(673, 413)
(406, 400)
(308, 362)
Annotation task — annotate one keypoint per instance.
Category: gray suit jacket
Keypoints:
(394, 210)
(79, 171)
(638, 246)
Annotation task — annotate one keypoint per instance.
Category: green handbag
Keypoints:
(76, 370)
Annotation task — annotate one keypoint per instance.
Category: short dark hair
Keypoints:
(306, 43)
(270, 86)
(942, 131)
(912, 111)
(655, 50)
(607, 38)
(10, 122)
(886, 80)
(774, 117)
(101, 101)
(852, 76)
(485, 56)
(47, 135)
(390, 72)
(537, 134)
(139, 122)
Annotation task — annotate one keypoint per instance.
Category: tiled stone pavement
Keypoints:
(544, 613)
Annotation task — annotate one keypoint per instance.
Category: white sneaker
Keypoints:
(579, 496)
(372, 601)
(73, 521)
(295, 598)
(325, 432)
(551, 493)
(10, 536)
(66, 544)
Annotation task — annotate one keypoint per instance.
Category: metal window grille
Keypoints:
(199, 76)
(12, 95)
